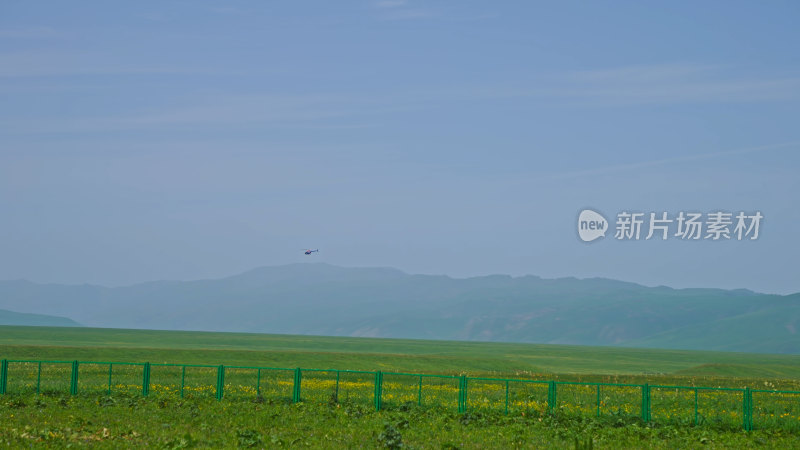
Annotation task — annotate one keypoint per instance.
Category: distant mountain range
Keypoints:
(34, 320)
(322, 299)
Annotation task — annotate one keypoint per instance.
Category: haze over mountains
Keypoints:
(34, 320)
(322, 299)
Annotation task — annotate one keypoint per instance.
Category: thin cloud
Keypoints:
(408, 14)
(640, 85)
(681, 92)
(225, 113)
(55, 64)
(643, 73)
(673, 83)
(401, 10)
(676, 160)
(29, 33)
(390, 3)
(46, 71)
(226, 10)
(154, 16)
(36, 64)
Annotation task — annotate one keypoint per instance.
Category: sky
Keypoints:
(188, 139)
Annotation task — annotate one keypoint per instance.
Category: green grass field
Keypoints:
(450, 357)
(257, 407)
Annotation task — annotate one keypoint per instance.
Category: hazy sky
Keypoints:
(184, 140)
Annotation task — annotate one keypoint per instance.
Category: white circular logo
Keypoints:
(591, 225)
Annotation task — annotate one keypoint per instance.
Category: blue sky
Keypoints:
(186, 140)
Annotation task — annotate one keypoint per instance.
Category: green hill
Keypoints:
(37, 320)
(775, 330)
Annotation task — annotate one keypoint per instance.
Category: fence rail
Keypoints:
(690, 405)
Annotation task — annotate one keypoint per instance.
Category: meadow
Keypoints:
(402, 355)
(507, 398)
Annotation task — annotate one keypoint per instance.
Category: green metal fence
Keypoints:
(689, 405)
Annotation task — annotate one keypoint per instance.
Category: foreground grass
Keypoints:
(168, 422)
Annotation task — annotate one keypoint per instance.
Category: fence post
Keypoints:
(419, 393)
(598, 399)
(464, 395)
(146, 379)
(378, 390)
(110, 366)
(297, 380)
(73, 382)
(39, 379)
(744, 409)
(258, 384)
(336, 392)
(747, 409)
(460, 395)
(696, 416)
(183, 379)
(552, 396)
(220, 381)
(646, 402)
(3, 376)
(506, 397)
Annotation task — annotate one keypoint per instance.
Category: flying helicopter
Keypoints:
(309, 251)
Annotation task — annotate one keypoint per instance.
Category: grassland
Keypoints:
(156, 422)
(450, 357)
(257, 408)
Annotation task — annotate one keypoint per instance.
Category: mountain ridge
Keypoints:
(379, 268)
(35, 320)
(322, 299)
